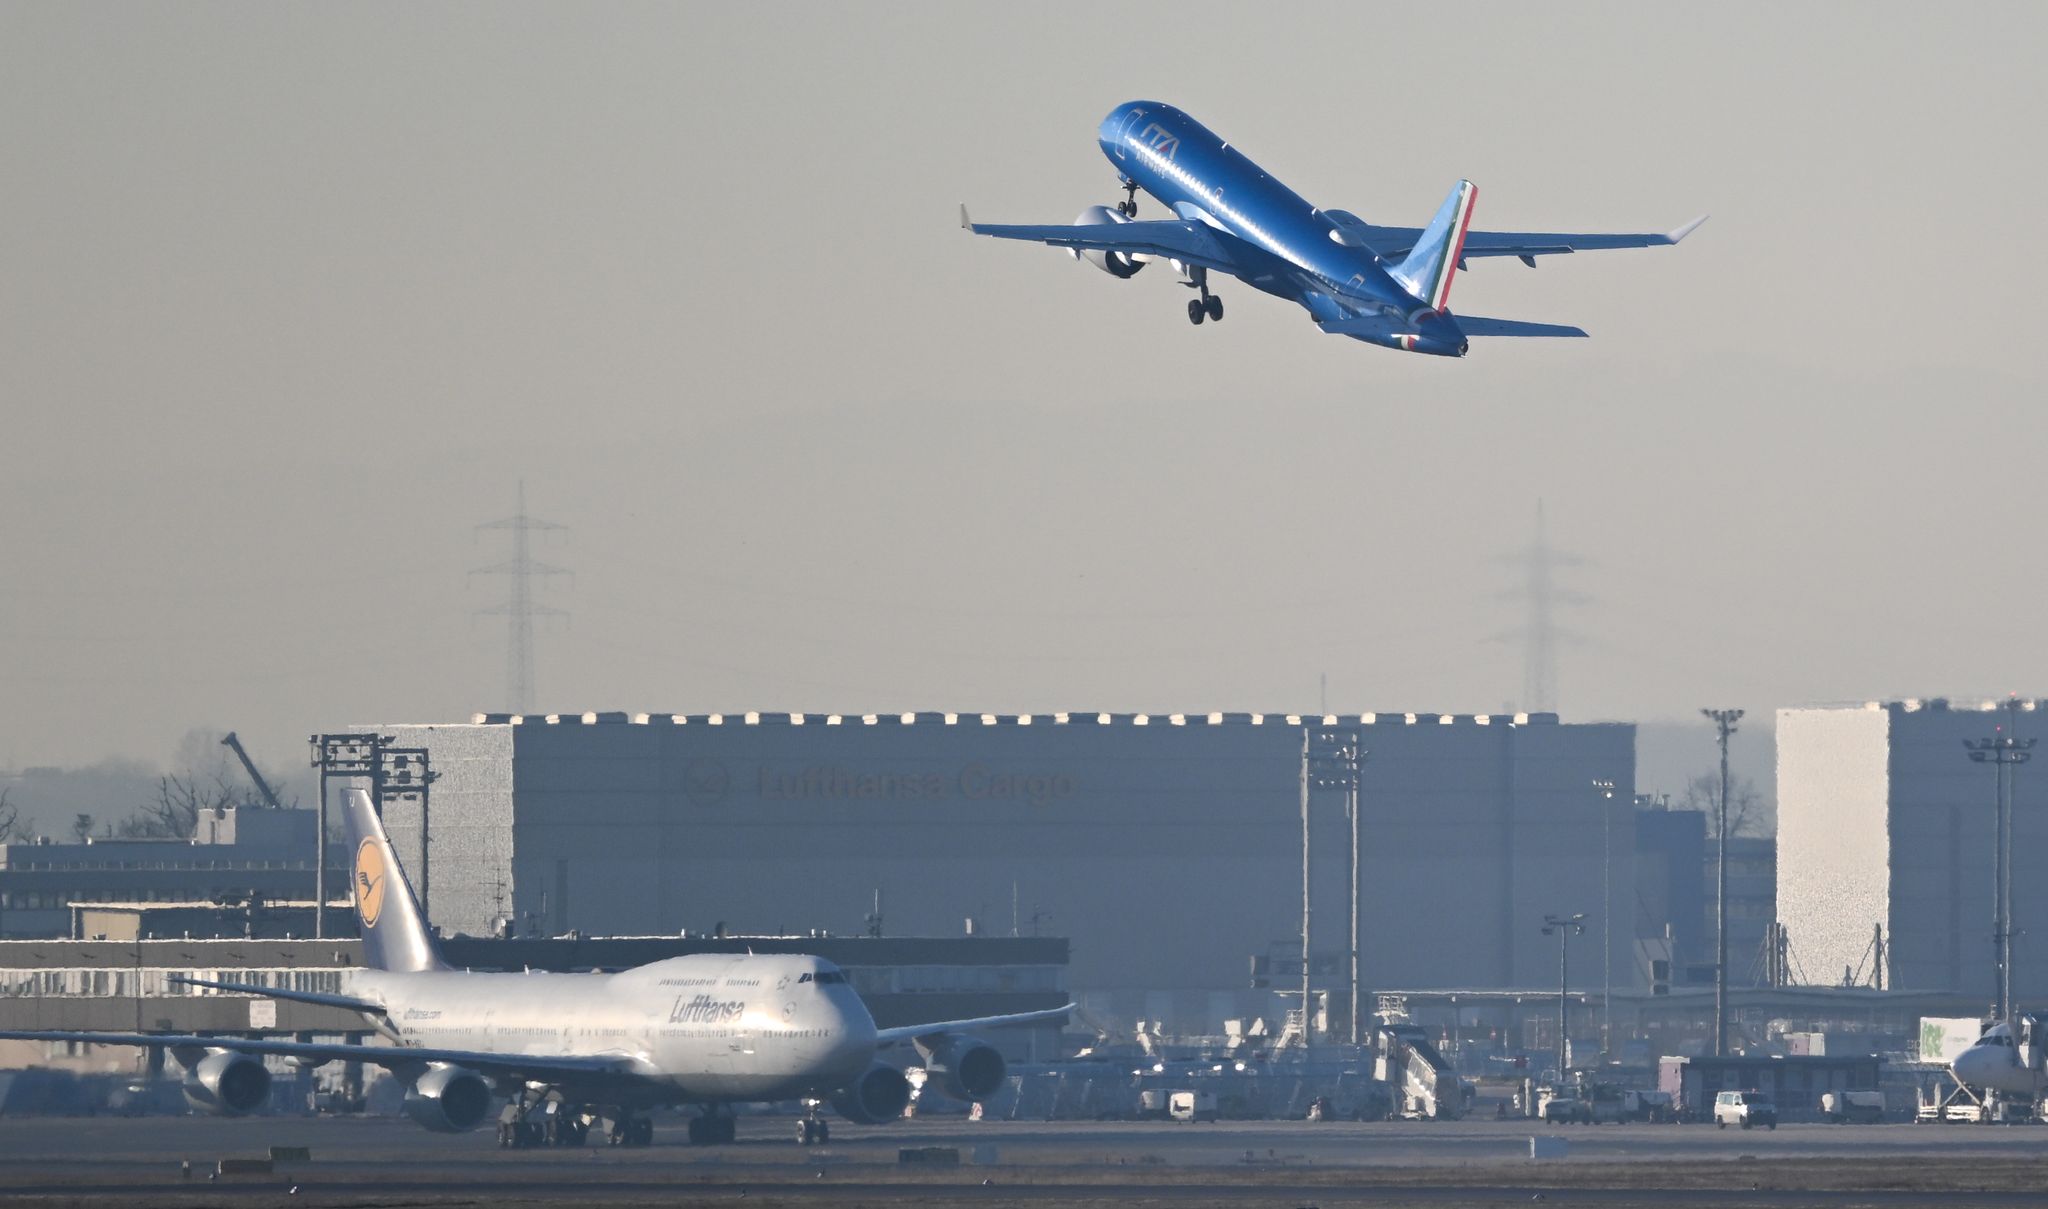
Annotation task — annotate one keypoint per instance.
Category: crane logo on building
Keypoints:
(370, 882)
(706, 782)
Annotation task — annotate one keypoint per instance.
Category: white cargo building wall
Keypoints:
(1834, 845)
(1923, 864)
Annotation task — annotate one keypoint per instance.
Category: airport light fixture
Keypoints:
(1332, 759)
(1724, 721)
(2005, 754)
(1606, 791)
(1564, 927)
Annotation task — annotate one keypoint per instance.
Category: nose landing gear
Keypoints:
(813, 1130)
(1129, 206)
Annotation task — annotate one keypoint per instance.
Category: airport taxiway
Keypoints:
(137, 1161)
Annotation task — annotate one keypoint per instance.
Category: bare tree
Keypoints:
(10, 819)
(210, 780)
(81, 827)
(174, 812)
(1747, 814)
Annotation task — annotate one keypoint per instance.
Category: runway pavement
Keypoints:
(392, 1162)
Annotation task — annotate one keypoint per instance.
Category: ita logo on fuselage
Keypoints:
(1160, 139)
(370, 879)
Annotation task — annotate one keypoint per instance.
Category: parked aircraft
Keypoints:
(706, 1031)
(1388, 286)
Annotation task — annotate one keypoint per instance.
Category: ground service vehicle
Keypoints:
(1841, 1107)
(1193, 1106)
(1745, 1108)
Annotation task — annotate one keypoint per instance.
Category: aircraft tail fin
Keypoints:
(395, 935)
(1431, 263)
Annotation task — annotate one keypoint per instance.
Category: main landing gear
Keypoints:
(542, 1120)
(1129, 206)
(1208, 306)
(624, 1130)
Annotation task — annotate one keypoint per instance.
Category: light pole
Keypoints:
(1724, 721)
(2004, 753)
(1606, 791)
(1564, 927)
(1331, 759)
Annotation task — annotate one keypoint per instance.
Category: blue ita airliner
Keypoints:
(570, 1052)
(1389, 286)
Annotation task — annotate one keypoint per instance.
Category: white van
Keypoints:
(1193, 1106)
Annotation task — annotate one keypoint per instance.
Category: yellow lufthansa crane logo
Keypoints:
(369, 884)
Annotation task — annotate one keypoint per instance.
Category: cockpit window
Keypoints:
(828, 977)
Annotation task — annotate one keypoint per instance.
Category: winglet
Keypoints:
(966, 225)
(1673, 236)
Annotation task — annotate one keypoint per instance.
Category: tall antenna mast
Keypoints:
(1539, 632)
(519, 608)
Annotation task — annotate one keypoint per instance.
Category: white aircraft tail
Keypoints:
(395, 935)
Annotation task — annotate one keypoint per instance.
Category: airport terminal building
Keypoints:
(1167, 847)
(1883, 821)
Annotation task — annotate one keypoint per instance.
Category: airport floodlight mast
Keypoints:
(1564, 927)
(519, 608)
(395, 774)
(1333, 759)
(2005, 754)
(1724, 723)
(1606, 791)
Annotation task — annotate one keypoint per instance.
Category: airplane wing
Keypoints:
(520, 1066)
(1177, 239)
(908, 1032)
(318, 998)
(1394, 242)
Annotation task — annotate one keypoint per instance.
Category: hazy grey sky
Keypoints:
(294, 295)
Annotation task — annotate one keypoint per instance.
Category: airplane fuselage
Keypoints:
(703, 1028)
(1200, 177)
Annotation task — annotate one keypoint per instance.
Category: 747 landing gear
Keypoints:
(813, 1129)
(1129, 206)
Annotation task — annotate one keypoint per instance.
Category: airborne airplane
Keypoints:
(708, 1030)
(1388, 286)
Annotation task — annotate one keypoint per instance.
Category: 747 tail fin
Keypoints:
(395, 935)
(1434, 259)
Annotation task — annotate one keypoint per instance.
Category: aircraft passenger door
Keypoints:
(1130, 128)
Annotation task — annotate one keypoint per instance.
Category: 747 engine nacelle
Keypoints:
(228, 1084)
(448, 1099)
(1116, 264)
(880, 1094)
(964, 1068)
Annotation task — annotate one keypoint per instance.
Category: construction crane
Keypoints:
(262, 786)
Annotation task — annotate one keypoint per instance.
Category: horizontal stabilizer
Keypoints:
(1474, 325)
(318, 998)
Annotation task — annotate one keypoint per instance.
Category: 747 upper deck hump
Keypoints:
(1388, 286)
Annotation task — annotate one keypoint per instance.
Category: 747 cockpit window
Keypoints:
(823, 978)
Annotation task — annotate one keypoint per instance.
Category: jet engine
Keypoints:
(966, 1068)
(448, 1099)
(1116, 264)
(881, 1094)
(228, 1084)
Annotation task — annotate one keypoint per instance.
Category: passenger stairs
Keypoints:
(1429, 1088)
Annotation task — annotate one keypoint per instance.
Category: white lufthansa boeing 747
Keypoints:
(706, 1031)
